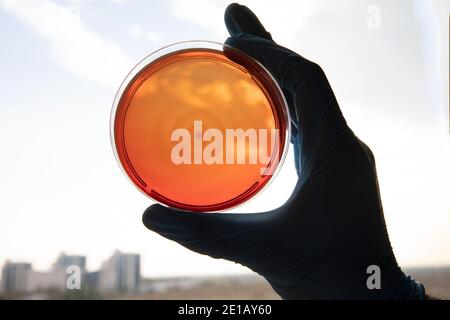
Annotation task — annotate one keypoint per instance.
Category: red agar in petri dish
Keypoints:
(200, 126)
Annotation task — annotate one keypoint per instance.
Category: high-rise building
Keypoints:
(15, 276)
(56, 278)
(121, 272)
(64, 261)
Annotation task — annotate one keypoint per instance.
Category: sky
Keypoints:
(61, 63)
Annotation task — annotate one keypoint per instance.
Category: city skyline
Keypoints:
(119, 273)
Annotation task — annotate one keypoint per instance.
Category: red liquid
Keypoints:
(196, 85)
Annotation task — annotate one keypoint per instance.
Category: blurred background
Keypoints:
(64, 201)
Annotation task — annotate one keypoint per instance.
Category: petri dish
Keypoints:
(200, 126)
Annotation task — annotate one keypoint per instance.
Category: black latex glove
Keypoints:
(319, 244)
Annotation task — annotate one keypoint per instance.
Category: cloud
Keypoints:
(150, 36)
(135, 30)
(74, 46)
(153, 36)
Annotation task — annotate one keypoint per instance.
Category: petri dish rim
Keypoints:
(195, 44)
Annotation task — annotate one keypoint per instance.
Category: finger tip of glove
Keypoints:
(152, 214)
(231, 8)
(240, 19)
(230, 17)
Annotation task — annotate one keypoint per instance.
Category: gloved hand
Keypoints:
(319, 244)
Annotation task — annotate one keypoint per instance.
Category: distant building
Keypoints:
(120, 273)
(20, 277)
(92, 279)
(64, 261)
(55, 279)
(43, 281)
(15, 276)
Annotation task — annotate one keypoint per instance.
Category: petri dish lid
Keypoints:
(200, 126)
